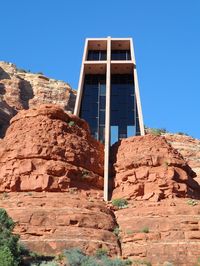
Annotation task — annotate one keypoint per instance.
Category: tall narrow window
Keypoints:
(114, 134)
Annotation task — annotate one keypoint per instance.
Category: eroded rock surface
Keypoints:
(22, 90)
(147, 167)
(50, 222)
(162, 233)
(189, 148)
(46, 149)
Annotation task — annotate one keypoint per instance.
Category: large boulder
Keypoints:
(46, 149)
(147, 167)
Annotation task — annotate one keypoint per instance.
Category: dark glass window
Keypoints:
(95, 55)
(120, 55)
(93, 104)
(122, 103)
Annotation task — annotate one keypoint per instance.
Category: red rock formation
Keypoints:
(161, 232)
(20, 90)
(48, 223)
(147, 167)
(189, 148)
(47, 149)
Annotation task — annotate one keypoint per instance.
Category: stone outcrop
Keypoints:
(148, 168)
(48, 223)
(22, 90)
(46, 149)
(189, 148)
(161, 233)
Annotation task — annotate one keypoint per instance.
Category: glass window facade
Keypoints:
(93, 104)
(123, 104)
(124, 121)
(120, 55)
(95, 55)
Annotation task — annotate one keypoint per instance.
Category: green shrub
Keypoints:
(145, 230)
(115, 262)
(9, 241)
(129, 232)
(75, 257)
(157, 131)
(182, 133)
(116, 231)
(21, 70)
(167, 263)
(90, 261)
(192, 202)
(85, 173)
(120, 203)
(6, 257)
(141, 262)
(101, 252)
(198, 262)
(71, 123)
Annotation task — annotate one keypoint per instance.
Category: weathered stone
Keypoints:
(58, 221)
(147, 167)
(22, 90)
(47, 149)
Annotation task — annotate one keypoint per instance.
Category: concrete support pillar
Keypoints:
(107, 121)
(81, 81)
(137, 90)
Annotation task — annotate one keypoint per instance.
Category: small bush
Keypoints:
(115, 262)
(167, 263)
(85, 173)
(71, 123)
(21, 70)
(198, 262)
(157, 131)
(129, 232)
(192, 202)
(75, 257)
(145, 230)
(141, 262)
(40, 73)
(182, 133)
(101, 252)
(116, 230)
(120, 203)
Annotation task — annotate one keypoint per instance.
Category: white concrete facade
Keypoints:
(109, 67)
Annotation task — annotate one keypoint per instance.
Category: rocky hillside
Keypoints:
(189, 148)
(51, 176)
(22, 90)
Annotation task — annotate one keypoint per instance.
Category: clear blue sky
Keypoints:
(48, 36)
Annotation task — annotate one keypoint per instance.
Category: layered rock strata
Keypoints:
(22, 90)
(49, 223)
(147, 167)
(161, 233)
(46, 149)
(189, 148)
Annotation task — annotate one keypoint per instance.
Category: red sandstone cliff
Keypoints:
(147, 167)
(20, 90)
(52, 172)
(47, 149)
